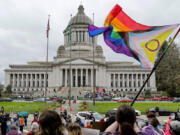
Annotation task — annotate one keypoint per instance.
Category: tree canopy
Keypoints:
(168, 71)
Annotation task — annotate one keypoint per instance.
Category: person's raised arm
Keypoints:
(112, 127)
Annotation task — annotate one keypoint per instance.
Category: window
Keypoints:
(139, 76)
(80, 33)
(33, 83)
(76, 36)
(143, 76)
(125, 76)
(33, 76)
(138, 83)
(83, 36)
(120, 83)
(121, 76)
(134, 84)
(111, 84)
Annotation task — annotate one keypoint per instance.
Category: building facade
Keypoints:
(79, 54)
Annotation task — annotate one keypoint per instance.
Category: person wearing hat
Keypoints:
(174, 127)
(13, 130)
(34, 129)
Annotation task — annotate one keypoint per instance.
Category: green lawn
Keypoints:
(30, 107)
(104, 107)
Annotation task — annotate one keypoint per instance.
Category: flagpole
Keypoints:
(155, 66)
(46, 75)
(94, 94)
(69, 93)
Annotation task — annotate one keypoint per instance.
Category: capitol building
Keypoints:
(123, 77)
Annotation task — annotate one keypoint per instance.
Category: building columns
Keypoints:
(86, 77)
(13, 80)
(40, 80)
(81, 77)
(91, 77)
(65, 79)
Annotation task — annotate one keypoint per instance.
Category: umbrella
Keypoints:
(24, 114)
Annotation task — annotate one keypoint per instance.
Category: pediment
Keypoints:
(79, 62)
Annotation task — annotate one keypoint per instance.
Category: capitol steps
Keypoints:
(75, 91)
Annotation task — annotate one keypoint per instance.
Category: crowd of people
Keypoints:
(11, 121)
(126, 124)
(52, 123)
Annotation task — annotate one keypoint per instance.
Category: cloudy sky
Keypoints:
(23, 25)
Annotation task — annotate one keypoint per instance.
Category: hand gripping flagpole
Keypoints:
(155, 66)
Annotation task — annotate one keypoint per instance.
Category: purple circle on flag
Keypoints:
(152, 50)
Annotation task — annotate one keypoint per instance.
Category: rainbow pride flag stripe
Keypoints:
(124, 35)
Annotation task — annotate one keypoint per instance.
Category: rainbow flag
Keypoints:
(123, 35)
(112, 39)
(147, 44)
(122, 22)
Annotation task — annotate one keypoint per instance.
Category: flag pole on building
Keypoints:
(155, 66)
(94, 94)
(46, 74)
(69, 94)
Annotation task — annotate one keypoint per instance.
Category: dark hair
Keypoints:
(154, 122)
(151, 115)
(50, 123)
(126, 117)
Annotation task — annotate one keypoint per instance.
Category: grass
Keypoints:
(104, 107)
(30, 107)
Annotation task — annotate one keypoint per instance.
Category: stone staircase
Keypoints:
(75, 91)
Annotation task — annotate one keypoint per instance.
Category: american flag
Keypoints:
(48, 28)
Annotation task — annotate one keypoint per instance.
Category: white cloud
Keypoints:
(23, 24)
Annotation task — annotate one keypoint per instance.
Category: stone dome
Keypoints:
(60, 50)
(99, 48)
(80, 17)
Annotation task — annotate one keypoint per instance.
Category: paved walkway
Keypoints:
(75, 107)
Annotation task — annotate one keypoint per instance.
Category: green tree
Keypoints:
(168, 71)
(148, 93)
(1, 89)
(8, 89)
